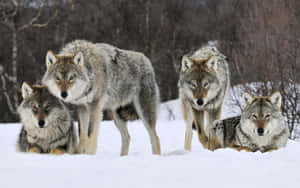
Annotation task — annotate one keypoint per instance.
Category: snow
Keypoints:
(175, 168)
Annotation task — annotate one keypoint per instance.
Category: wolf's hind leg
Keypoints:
(83, 116)
(122, 127)
(146, 107)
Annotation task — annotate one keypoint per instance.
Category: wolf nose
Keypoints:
(260, 131)
(64, 94)
(200, 102)
(41, 123)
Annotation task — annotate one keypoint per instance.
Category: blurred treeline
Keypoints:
(261, 38)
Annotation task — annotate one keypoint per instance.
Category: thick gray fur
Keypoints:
(58, 132)
(110, 79)
(219, 81)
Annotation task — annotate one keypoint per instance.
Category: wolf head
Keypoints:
(65, 77)
(199, 81)
(262, 115)
(39, 107)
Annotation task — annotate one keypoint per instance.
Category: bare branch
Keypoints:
(32, 22)
(12, 105)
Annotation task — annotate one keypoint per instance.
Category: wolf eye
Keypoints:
(34, 109)
(254, 116)
(57, 79)
(47, 108)
(193, 83)
(71, 78)
(206, 84)
(267, 116)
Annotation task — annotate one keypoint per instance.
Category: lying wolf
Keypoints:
(47, 126)
(261, 127)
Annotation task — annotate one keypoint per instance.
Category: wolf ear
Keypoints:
(212, 63)
(276, 99)
(247, 99)
(186, 63)
(26, 90)
(78, 59)
(50, 59)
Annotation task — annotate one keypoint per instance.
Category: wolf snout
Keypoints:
(260, 131)
(200, 102)
(41, 123)
(64, 94)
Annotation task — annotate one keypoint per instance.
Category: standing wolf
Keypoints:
(47, 125)
(203, 83)
(98, 77)
(260, 127)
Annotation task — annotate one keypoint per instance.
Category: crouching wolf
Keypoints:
(203, 83)
(47, 126)
(261, 127)
(97, 77)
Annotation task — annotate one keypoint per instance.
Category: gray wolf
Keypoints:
(261, 127)
(203, 83)
(98, 77)
(47, 125)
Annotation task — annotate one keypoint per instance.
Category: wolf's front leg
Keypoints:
(198, 117)
(83, 115)
(95, 117)
(213, 116)
(212, 137)
(188, 118)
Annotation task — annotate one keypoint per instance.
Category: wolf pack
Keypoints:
(98, 77)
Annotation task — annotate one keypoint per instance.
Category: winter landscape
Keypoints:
(259, 40)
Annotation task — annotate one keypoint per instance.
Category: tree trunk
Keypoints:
(14, 56)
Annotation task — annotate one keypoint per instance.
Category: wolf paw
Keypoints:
(57, 151)
(34, 150)
(218, 129)
(217, 125)
(81, 149)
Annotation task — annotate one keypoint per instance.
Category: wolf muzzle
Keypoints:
(260, 131)
(64, 94)
(41, 123)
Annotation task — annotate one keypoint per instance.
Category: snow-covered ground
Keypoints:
(175, 168)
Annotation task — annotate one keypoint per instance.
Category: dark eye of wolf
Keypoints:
(47, 108)
(34, 109)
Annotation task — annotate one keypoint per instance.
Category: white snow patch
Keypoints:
(175, 168)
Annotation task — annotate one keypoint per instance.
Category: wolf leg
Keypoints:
(83, 115)
(57, 151)
(212, 116)
(199, 124)
(146, 107)
(188, 118)
(122, 127)
(95, 110)
(213, 139)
